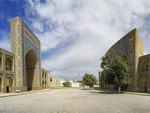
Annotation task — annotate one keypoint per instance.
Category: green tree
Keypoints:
(89, 80)
(67, 84)
(116, 70)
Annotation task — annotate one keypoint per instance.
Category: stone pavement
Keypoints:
(2, 95)
(75, 101)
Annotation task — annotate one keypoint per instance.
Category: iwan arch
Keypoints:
(20, 69)
(132, 49)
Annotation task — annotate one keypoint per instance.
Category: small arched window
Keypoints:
(45, 75)
(42, 74)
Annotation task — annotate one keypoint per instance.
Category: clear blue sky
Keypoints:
(8, 10)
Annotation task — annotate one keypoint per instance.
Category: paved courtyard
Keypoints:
(75, 101)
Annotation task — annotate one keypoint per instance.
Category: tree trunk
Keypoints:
(119, 89)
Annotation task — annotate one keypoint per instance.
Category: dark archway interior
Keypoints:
(0, 84)
(145, 86)
(0, 62)
(8, 65)
(9, 84)
(30, 60)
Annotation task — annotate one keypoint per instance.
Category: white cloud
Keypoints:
(5, 41)
(5, 44)
(91, 27)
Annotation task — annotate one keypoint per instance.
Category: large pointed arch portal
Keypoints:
(31, 75)
(26, 47)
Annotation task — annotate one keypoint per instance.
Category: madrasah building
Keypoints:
(20, 69)
(131, 48)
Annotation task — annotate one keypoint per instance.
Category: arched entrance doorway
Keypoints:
(9, 84)
(30, 60)
(0, 84)
(145, 85)
(0, 63)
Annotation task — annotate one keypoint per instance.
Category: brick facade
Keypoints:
(132, 48)
(26, 57)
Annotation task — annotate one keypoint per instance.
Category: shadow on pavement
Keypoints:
(107, 92)
(85, 89)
